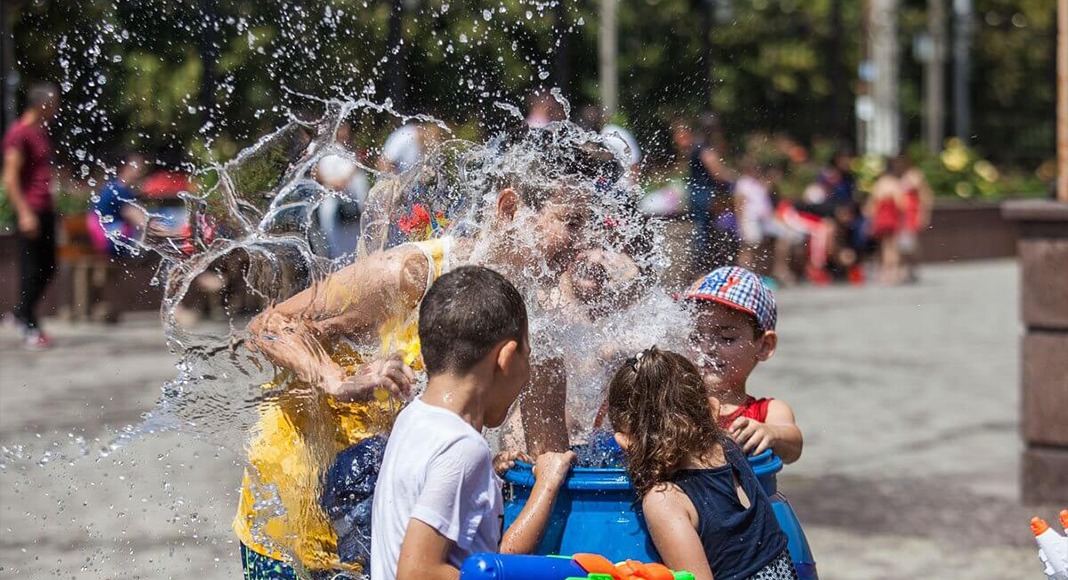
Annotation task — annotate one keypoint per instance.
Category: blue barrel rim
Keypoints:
(616, 479)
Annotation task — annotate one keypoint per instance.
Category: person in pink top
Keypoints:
(28, 182)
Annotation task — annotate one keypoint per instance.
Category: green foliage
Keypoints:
(958, 171)
(7, 212)
(164, 77)
(67, 202)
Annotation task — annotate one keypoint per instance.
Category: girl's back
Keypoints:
(736, 524)
(703, 505)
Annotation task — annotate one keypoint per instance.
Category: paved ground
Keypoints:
(907, 396)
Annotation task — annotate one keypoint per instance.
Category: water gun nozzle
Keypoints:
(1038, 526)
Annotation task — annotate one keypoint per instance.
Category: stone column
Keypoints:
(1043, 252)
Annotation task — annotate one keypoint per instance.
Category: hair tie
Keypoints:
(636, 360)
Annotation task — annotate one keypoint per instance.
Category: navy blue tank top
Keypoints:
(738, 541)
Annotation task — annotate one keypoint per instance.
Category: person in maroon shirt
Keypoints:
(28, 181)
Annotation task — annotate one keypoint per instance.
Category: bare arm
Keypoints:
(350, 302)
(672, 523)
(523, 535)
(12, 166)
(133, 215)
(27, 220)
(788, 441)
(424, 554)
(715, 166)
(542, 409)
(779, 432)
(739, 205)
(926, 196)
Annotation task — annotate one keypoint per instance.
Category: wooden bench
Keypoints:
(90, 272)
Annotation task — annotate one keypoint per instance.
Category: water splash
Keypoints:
(253, 218)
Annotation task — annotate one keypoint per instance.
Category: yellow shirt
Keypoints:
(298, 436)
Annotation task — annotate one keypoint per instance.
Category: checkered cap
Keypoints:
(737, 288)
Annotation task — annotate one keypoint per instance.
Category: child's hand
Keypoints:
(752, 435)
(389, 374)
(505, 460)
(551, 467)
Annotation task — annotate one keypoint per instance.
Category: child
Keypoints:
(321, 336)
(752, 205)
(735, 330)
(916, 215)
(703, 505)
(438, 499)
(884, 211)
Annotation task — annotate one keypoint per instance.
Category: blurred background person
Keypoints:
(407, 146)
(754, 211)
(542, 109)
(28, 181)
(711, 182)
(338, 214)
(884, 209)
(114, 220)
(844, 188)
(916, 203)
(683, 140)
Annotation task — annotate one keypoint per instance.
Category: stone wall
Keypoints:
(967, 231)
(1043, 251)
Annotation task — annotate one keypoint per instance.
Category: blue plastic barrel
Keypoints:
(595, 513)
(515, 567)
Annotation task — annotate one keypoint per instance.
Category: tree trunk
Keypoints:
(837, 75)
(706, 50)
(962, 33)
(397, 73)
(563, 49)
(608, 53)
(1062, 100)
(934, 73)
(10, 80)
(884, 132)
(209, 55)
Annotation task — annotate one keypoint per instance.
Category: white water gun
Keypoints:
(1052, 547)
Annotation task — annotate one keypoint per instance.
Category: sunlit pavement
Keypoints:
(908, 398)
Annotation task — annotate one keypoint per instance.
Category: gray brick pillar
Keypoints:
(1043, 251)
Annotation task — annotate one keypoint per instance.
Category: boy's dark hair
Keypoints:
(466, 313)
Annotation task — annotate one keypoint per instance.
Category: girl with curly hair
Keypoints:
(705, 509)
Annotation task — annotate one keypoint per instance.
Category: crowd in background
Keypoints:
(831, 232)
(732, 196)
(730, 191)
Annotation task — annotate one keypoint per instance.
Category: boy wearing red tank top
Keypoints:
(735, 330)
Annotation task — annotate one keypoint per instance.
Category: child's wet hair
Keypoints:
(565, 164)
(464, 315)
(658, 400)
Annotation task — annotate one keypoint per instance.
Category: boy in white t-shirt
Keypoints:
(438, 499)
